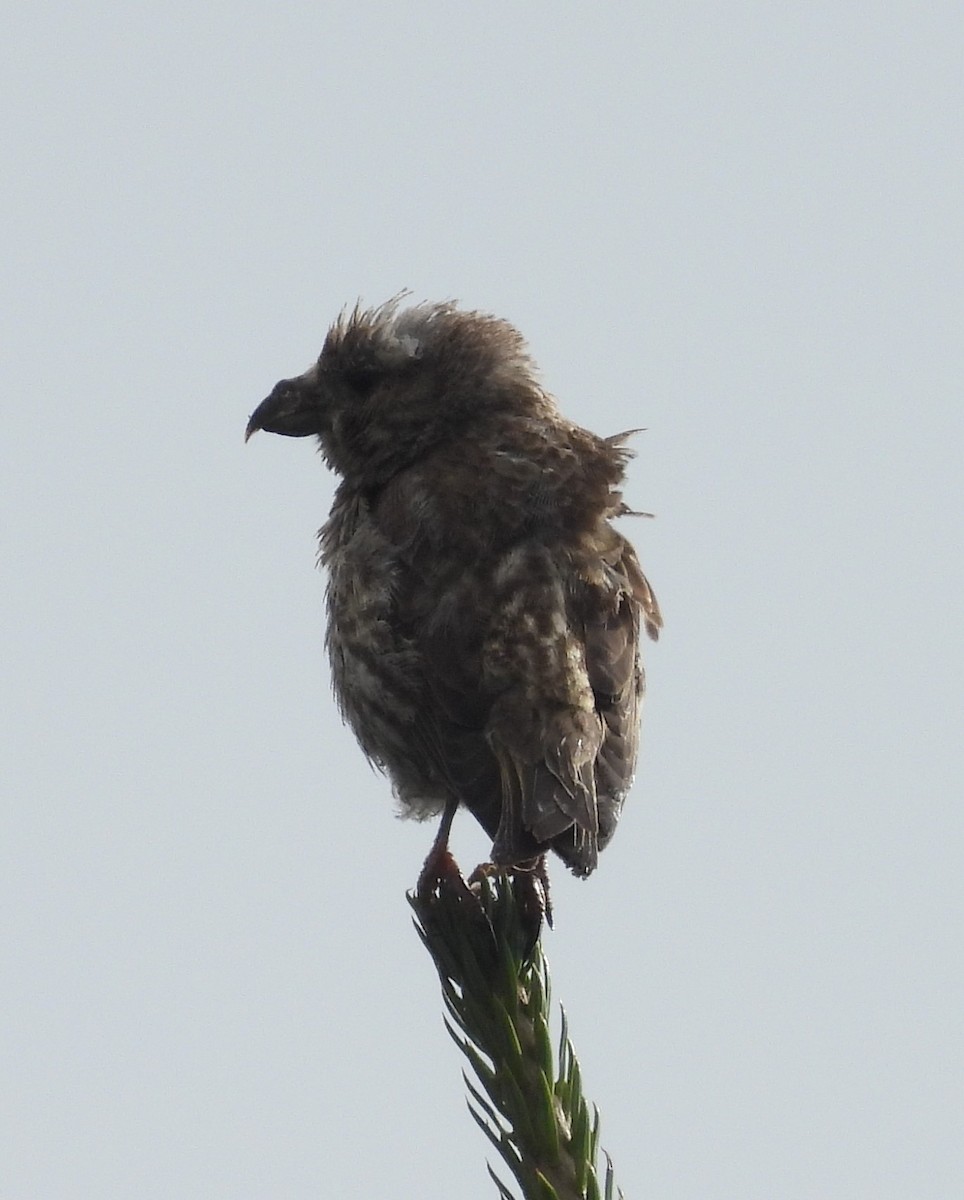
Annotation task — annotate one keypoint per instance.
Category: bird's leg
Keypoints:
(440, 866)
(441, 842)
(440, 879)
(530, 886)
(541, 877)
(529, 882)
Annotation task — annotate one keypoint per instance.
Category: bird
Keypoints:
(484, 613)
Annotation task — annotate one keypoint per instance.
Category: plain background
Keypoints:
(738, 225)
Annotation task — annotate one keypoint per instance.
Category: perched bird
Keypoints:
(483, 614)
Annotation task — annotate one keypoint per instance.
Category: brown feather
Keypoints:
(484, 615)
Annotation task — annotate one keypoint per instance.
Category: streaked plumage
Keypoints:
(484, 615)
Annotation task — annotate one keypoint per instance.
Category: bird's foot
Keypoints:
(529, 882)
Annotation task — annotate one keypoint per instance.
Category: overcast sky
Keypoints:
(738, 225)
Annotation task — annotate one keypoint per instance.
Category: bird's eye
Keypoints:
(361, 379)
(285, 390)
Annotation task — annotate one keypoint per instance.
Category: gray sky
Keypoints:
(738, 225)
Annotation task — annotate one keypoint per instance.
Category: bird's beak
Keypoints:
(288, 410)
(253, 425)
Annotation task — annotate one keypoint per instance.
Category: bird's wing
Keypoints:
(616, 675)
(567, 734)
(531, 685)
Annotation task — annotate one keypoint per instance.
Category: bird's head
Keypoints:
(390, 385)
